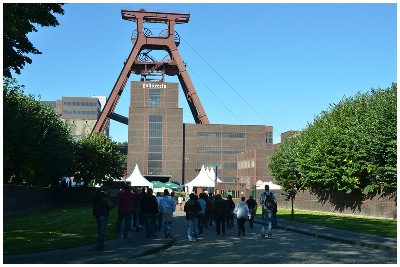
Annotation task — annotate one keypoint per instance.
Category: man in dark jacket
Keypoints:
(125, 210)
(101, 209)
(192, 209)
(149, 209)
(252, 204)
(220, 212)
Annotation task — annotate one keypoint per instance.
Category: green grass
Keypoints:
(52, 229)
(63, 228)
(366, 225)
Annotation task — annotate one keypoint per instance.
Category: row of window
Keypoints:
(223, 165)
(154, 157)
(223, 135)
(79, 112)
(244, 164)
(219, 150)
(80, 103)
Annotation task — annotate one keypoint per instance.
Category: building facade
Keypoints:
(80, 113)
(165, 148)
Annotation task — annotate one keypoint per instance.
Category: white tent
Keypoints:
(137, 179)
(201, 180)
(271, 185)
(211, 173)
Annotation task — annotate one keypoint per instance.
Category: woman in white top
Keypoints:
(242, 213)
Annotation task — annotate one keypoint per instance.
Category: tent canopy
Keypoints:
(137, 179)
(201, 180)
(211, 173)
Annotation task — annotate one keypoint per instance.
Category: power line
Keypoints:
(229, 86)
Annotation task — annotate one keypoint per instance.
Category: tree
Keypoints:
(98, 159)
(350, 148)
(18, 21)
(37, 145)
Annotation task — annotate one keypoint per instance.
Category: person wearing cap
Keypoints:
(252, 204)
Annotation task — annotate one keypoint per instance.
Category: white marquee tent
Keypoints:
(137, 179)
(211, 174)
(201, 180)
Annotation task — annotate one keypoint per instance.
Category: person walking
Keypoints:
(159, 221)
(208, 214)
(231, 206)
(180, 202)
(101, 210)
(149, 210)
(136, 210)
(268, 201)
(125, 210)
(167, 207)
(252, 204)
(202, 214)
(192, 209)
(242, 213)
(220, 211)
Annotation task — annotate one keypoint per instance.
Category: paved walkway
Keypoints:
(120, 250)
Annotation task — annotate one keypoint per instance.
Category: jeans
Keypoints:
(102, 222)
(218, 222)
(192, 229)
(267, 222)
(159, 221)
(135, 217)
(240, 222)
(229, 220)
(150, 224)
(200, 222)
(127, 218)
(167, 228)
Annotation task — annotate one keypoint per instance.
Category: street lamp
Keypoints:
(293, 166)
(237, 193)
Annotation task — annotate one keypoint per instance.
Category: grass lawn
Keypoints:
(367, 225)
(52, 229)
(62, 228)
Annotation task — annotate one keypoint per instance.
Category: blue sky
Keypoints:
(251, 64)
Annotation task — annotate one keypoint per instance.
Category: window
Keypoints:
(269, 139)
(218, 135)
(154, 98)
(154, 156)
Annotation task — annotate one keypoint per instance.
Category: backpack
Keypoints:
(193, 209)
(269, 202)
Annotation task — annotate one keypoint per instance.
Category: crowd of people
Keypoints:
(143, 209)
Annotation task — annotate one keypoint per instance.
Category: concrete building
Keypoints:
(80, 113)
(165, 148)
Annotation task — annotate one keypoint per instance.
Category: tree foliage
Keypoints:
(98, 159)
(19, 19)
(37, 146)
(351, 147)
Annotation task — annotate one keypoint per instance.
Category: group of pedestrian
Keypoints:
(156, 212)
(136, 210)
(202, 210)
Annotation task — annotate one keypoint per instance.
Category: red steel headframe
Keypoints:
(156, 43)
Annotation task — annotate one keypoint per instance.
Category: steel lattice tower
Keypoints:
(139, 62)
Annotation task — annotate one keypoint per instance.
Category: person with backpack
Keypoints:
(268, 201)
(101, 210)
(192, 209)
(220, 212)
